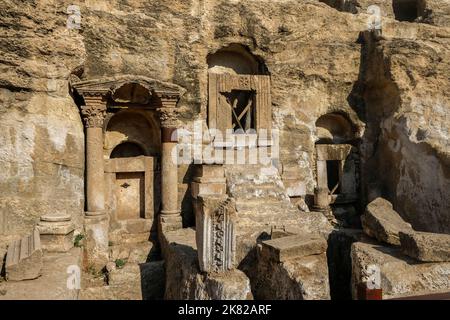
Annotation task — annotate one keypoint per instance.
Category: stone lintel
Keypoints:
(136, 164)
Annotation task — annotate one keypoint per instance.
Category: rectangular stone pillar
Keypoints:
(215, 233)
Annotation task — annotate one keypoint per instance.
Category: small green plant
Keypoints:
(120, 263)
(94, 272)
(78, 238)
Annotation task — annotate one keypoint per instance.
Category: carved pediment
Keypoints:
(140, 88)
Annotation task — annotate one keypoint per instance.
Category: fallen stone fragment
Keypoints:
(426, 247)
(24, 258)
(383, 223)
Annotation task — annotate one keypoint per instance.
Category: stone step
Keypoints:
(267, 204)
(292, 247)
(254, 192)
(24, 258)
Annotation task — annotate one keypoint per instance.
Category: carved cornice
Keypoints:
(168, 93)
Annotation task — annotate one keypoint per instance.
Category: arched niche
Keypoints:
(337, 161)
(238, 94)
(132, 93)
(134, 127)
(334, 128)
(127, 150)
(235, 59)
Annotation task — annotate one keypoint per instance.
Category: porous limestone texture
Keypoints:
(184, 279)
(427, 247)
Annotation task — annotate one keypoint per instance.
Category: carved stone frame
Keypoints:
(219, 112)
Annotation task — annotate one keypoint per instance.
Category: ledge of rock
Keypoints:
(427, 247)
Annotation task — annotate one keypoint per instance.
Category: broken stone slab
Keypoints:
(426, 247)
(383, 223)
(291, 247)
(399, 275)
(56, 232)
(24, 258)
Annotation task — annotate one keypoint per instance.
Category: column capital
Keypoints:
(168, 117)
(168, 99)
(94, 111)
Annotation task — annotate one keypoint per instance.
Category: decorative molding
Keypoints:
(106, 87)
(216, 238)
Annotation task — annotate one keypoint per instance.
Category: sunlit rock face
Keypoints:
(331, 83)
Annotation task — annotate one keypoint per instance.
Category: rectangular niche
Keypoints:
(247, 93)
(130, 195)
(131, 189)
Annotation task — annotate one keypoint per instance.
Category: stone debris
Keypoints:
(24, 258)
(382, 222)
(426, 247)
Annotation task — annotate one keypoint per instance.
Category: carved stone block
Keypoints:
(24, 258)
(215, 233)
(56, 232)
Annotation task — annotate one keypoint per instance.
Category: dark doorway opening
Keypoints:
(333, 168)
(405, 10)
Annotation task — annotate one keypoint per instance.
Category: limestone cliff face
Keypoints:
(395, 91)
(407, 107)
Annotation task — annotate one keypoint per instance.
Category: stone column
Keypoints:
(170, 218)
(96, 224)
(93, 114)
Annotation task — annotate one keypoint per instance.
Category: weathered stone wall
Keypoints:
(311, 51)
(41, 135)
